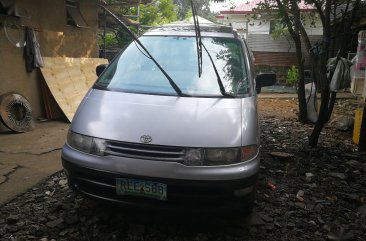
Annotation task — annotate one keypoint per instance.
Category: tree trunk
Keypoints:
(301, 83)
(303, 117)
(333, 96)
(325, 98)
(322, 119)
(295, 34)
(300, 62)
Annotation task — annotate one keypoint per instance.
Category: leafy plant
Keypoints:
(292, 76)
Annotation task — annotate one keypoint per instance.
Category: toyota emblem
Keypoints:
(145, 139)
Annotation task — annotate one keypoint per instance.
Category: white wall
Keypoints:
(261, 24)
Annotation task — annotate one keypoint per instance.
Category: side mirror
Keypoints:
(265, 79)
(100, 68)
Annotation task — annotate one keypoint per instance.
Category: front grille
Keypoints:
(143, 151)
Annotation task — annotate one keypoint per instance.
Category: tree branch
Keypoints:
(318, 7)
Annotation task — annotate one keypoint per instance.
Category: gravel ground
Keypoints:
(303, 193)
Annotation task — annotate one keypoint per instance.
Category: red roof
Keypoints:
(248, 7)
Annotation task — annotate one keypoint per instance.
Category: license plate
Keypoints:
(141, 188)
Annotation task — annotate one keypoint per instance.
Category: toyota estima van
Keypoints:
(184, 139)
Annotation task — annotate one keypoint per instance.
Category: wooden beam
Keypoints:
(362, 142)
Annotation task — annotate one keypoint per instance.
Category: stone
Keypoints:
(20, 224)
(63, 232)
(270, 226)
(354, 164)
(341, 235)
(35, 230)
(362, 210)
(342, 123)
(309, 176)
(353, 197)
(338, 175)
(320, 220)
(67, 206)
(72, 219)
(300, 195)
(265, 218)
(312, 222)
(54, 223)
(12, 219)
(283, 155)
(12, 229)
(290, 225)
(62, 182)
(300, 205)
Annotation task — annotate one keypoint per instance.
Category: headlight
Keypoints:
(86, 144)
(222, 156)
(219, 156)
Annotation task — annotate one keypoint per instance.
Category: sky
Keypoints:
(216, 7)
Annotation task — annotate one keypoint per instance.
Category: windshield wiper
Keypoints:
(198, 38)
(134, 37)
(219, 81)
(199, 53)
(99, 87)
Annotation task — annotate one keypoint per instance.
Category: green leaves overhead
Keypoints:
(157, 13)
(202, 7)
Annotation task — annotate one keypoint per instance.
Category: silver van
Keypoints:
(184, 139)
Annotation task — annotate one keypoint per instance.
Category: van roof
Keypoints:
(187, 29)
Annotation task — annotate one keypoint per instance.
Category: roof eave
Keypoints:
(255, 12)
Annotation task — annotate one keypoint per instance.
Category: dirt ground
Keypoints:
(284, 108)
(288, 108)
(28, 158)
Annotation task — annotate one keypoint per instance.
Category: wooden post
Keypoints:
(362, 142)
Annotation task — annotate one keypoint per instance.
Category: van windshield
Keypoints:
(133, 71)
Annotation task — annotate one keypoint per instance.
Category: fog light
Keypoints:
(243, 192)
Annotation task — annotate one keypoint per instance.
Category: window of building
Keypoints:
(73, 14)
(274, 25)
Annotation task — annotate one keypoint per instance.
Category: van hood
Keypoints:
(168, 120)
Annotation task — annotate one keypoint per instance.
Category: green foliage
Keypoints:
(292, 76)
(158, 13)
(278, 30)
(110, 39)
(188, 15)
(202, 7)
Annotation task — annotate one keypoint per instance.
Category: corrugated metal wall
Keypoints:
(279, 52)
(275, 59)
(265, 43)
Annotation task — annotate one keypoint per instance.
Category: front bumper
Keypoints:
(201, 192)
